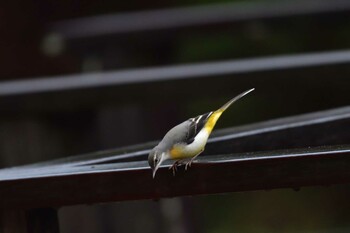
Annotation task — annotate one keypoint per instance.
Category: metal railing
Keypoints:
(291, 152)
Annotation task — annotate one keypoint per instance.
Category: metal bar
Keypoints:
(193, 16)
(215, 174)
(178, 72)
(231, 164)
(270, 135)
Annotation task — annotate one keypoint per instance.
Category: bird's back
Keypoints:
(177, 134)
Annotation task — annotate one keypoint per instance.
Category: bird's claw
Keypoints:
(174, 170)
(179, 163)
(188, 164)
(174, 167)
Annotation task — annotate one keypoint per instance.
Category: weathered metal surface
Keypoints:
(169, 73)
(116, 176)
(53, 94)
(57, 186)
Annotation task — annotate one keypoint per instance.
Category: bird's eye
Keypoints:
(156, 160)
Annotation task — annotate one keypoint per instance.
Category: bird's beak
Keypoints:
(157, 166)
(154, 172)
(155, 169)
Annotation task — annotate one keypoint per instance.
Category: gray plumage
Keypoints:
(188, 139)
(177, 134)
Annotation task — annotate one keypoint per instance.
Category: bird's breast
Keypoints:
(183, 150)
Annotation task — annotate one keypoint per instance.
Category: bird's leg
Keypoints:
(175, 165)
(192, 159)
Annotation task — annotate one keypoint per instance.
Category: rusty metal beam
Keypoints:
(253, 157)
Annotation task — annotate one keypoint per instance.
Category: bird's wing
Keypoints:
(196, 124)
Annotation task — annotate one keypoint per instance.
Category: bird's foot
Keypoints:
(188, 164)
(174, 167)
(176, 164)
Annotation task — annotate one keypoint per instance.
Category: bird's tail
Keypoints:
(228, 104)
(214, 117)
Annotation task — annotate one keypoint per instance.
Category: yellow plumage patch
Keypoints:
(176, 153)
(180, 151)
(212, 120)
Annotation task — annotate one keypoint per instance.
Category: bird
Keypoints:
(187, 140)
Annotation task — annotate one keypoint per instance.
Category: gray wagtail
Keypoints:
(187, 140)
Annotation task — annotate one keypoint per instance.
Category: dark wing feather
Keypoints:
(197, 123)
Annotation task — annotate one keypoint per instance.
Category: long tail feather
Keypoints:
(216, 115)
(228, 104)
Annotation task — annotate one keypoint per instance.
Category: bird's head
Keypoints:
(155, 159)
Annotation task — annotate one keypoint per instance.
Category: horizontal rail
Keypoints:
(192, 16)
(253, 157)
(212, 174)
(326, 125)
(178, 72)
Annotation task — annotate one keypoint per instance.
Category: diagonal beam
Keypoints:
(177, 72)
(246, 158)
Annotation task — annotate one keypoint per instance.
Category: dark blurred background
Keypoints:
(54, 40)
